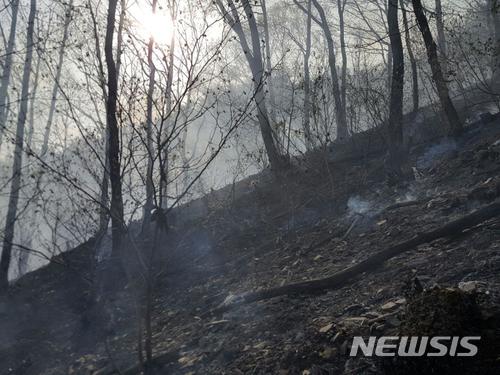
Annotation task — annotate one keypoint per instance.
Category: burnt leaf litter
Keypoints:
(268, 235)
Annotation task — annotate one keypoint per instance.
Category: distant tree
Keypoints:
(307, 80)
(7, 67)
(455, 126)
(148, 206)
(340, 110)
(411, 57)
(57, 77)
(255, 61)
(17, 165)
(495, 15)
(441, 36)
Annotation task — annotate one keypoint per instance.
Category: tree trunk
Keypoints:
(389, 68)
(455, 126)
(257, 67)
(441, 38)
(7, 70)
(268, 64)
(495, 77)
(148, 207)
(15, 187)
(116, 209)
(396, 98)
(254, 58)
(307, 83)
(164, 162)
(343, 51)
(342, 131)
(104, 194)
(411, 56)
(57, 78)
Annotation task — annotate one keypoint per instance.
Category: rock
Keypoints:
(187, 361)
(469, 286)
(389, 306)
(326, 328)
(400, 301)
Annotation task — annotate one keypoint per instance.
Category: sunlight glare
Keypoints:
(158, 25)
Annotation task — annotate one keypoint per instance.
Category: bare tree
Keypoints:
(149, 130)
(441, 37)
(7, 68)
(340, 111)
(255, 62)
(17, 165)
(411, 57)
(307, 81)
(455, 126)
(495, 13)
(343, 50)
(397, 85)
(268, 64)
(57, 77)
(116, 209)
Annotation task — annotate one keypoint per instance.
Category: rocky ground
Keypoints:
(310, 226)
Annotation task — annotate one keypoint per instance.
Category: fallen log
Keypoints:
(343, 277)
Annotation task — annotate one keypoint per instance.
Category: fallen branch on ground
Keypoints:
(343, 277)
(351, 227)
(398, 205)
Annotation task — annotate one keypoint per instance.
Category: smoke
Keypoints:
(357, 205)
(445, 147)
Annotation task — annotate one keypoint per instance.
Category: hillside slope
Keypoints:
(314, 223)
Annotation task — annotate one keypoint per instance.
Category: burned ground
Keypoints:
(312, 224)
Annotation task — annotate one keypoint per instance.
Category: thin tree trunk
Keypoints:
(7, 70)
(256, 65)
(118, 227)
(15, 188)
(269, 66)
(23, 258)
(307, 82)
(455, 126)
(342, 131)
(164, 165)
(104, 194)
(397, 85)
(411, 56)
(495, 15)
(31, 123)
(343, 51)
(441, 37)
(57, 78)
(389, 68)
(104, 212)
(149, 132)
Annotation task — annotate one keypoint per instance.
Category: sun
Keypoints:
(158, 25)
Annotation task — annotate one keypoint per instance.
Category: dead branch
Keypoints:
(351, 227)
(368, 265)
